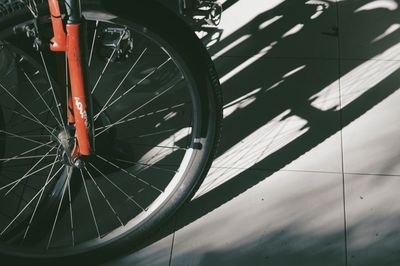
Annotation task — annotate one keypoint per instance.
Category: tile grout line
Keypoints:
(309, 58)
(172, 242)
(341, 137)
(303, 171)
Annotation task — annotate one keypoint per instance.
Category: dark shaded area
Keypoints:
(315, 46)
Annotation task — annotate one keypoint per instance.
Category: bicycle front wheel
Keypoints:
(157, 112)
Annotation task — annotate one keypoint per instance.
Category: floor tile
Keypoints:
(282, 100)
(278, 28)
(369, 29)
(264, 218)
(370, 98)
(373, 213)
(155, 250)
(278, 110)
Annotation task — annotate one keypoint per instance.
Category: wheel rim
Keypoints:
(147, 137)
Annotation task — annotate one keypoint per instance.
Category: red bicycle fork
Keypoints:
(70, 42)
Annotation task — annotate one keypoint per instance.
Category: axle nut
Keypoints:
(79, 163)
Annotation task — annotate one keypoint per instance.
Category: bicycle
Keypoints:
(110, 113)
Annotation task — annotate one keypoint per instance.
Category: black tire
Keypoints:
(159, 27)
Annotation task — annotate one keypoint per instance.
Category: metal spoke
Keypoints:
(24, 138)
(28, 118)
(117, 187)
(108, 62)
(40, 197)
(31, 174)
(39, 94)
(43, 94)
(161, 132)
(52, 90)
(45, 111)
(28, 172)
(27, 185)
(90, 205)
(175, 148)
(70, 210)
(31, 136)
(93, 42)
(140, 107)
(119, 86)
(138, 83)
(27, 157)
(26, 206)
(58, 212)
(128, 173)
(146, 115)
(26, 109)
(28, 151)
(147, 165)
(32, 6)
(104, 197)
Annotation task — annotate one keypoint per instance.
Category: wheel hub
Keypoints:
(67, 144)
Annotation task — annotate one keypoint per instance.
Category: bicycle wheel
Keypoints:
(157, 113)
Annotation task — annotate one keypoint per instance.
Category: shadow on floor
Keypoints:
(283, 70)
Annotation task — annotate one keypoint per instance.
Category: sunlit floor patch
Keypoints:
(358, 81)
(263, 142)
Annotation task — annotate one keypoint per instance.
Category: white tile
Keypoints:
(281, 113)
(261, 218)
(322, 157)
(373, 213)
(370, 115)
(278, 28)
(369, 29)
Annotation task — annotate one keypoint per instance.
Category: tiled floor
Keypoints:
(307, 172)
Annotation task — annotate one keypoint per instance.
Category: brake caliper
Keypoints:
(116, 44)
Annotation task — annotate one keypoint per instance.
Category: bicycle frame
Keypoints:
(72, 43)
(71, 40)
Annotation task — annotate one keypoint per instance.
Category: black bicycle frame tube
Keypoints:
(74, 11)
